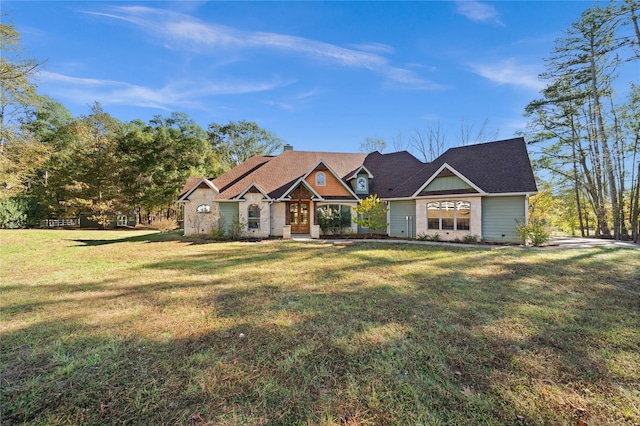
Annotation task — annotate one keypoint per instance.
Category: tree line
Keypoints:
(95, 165)
(588, 135)
(54, 165)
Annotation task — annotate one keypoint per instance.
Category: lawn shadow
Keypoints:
(155, 237)
(417, 335)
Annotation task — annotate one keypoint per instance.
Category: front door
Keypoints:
(299, 217)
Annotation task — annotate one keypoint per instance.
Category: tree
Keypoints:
(429, 143)
(581, 126)
(482, 135)
(371, 213)
(88, 175)
(19, 152)
(158, 158)
(372, 144)
(399, 142)
(236, 142)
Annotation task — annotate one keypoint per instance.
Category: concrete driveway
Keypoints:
(580, 243)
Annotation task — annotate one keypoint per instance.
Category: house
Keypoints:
(480, 190)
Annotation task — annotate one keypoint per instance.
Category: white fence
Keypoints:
(57, 223)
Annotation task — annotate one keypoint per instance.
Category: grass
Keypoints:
(130, 327)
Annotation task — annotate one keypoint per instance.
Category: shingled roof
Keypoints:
(494, 167)
(275, 175)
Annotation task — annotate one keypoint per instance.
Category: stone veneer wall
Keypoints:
(278, 218)
(255, 198)
(200, 223)
(449, 235)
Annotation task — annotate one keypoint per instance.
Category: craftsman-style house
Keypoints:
(480, 190)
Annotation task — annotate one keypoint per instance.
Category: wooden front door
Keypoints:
(299, 217)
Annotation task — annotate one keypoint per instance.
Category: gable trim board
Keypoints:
(252, 185)
(468, 178)
(287, 194)
(185, 196)
(359, 171)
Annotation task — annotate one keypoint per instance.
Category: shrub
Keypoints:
(371, 213)
(334, 219)
(470, 239)
(539, 233)
(237, 227)
(535, 232)
(429, 237)
(20, 212)
(217, 234)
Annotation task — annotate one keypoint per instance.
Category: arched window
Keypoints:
(203, 208)
(321, 179)
(253, 214)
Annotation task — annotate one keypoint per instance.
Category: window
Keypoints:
(321, 179)
(253, 214)
(449, 215)
(463, 213)
(361, 184)
(203, 208)
(333, 218)
(433, 216)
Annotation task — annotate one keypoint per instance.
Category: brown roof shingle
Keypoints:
(495, 167)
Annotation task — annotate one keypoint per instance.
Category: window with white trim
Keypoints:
(203, 208)
(253, 216)
(449, 216)
(321, 179)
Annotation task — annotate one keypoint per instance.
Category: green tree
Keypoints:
(236, 142)
(88, 175)
(371, 213)
(158, 158)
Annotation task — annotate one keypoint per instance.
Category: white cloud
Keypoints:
(478, 12)
(175, 94)
(374, 47)
(294, 102)
(510, 72)
(180, 31)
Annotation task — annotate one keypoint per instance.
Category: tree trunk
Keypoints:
(613, 193)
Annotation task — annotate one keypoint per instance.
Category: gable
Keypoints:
(301, 193)
(448, 182)
(199, 184)
(332, 186)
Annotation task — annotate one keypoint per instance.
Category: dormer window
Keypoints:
(361, 184)
(321, 179)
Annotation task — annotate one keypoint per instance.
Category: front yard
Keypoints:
(113, 327)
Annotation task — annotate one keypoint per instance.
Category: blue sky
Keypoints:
(321, 76)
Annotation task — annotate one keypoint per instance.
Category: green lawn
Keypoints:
(132, 327)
